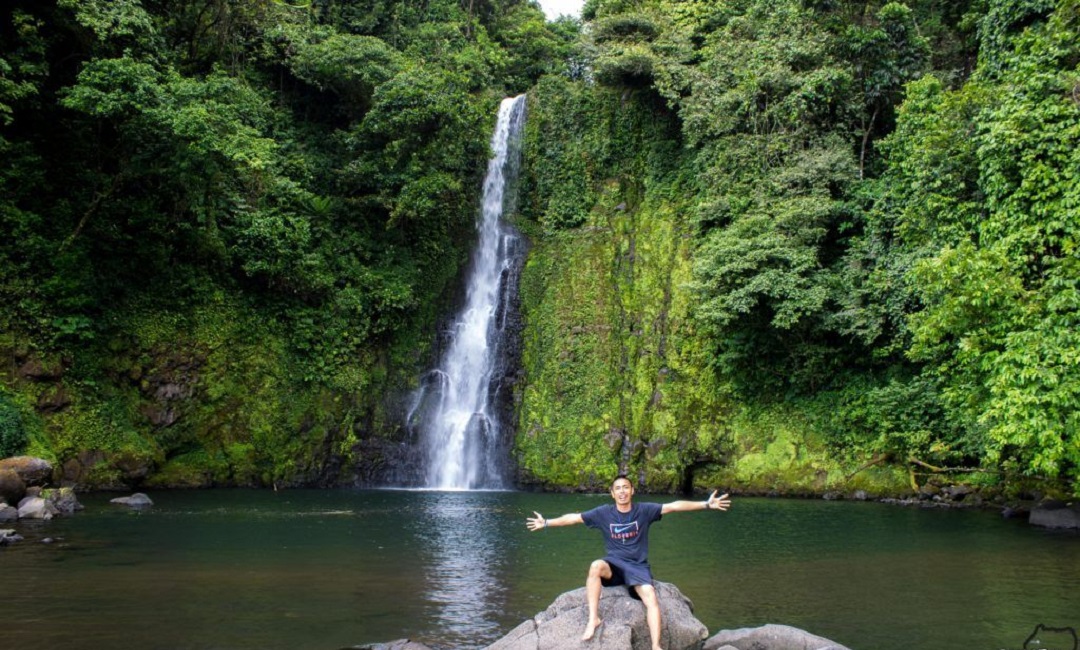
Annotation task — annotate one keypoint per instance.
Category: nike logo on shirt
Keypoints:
(624, 531)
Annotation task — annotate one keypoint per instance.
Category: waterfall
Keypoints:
(456, 410)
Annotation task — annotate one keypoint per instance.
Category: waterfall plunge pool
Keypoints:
(330, 569)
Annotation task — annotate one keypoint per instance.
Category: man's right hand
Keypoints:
(536, 523)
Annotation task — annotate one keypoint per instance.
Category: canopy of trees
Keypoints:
(884, 212)
(305, 173)
(863, 213)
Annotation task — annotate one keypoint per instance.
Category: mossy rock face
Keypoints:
(198, 469)
(40, 369)
(110, 470)
(614, 377)
(875, 481)
(215, 395)
(63, 499)
(617, 374)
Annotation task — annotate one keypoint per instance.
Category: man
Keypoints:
(625, 526)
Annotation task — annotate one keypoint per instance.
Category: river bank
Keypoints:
(23, 476)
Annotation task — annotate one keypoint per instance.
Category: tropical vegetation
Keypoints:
(777, 245)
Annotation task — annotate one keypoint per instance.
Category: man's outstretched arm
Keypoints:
(722, 502)
(539, 523)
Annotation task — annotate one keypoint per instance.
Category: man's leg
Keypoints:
(652, 612)
(598, 571)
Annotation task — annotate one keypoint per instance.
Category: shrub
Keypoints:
(633, 27)
(12, 431)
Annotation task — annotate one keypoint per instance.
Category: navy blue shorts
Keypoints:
(629, 574)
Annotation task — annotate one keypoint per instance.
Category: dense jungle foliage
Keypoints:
(229, 226)
(778, 245)
(804, 246)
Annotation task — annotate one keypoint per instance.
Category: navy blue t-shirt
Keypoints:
(626, 535)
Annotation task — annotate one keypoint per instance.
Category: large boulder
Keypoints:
(1055, 514)
(33, 471)
(561, 624)
(12, 488)
(36, 508)
(769, 637)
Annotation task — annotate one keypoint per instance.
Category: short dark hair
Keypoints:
(612, 484)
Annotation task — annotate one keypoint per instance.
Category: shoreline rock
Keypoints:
(33, 471)
(37, 508)
(1055, 514)
(24, 495)
(12, 487)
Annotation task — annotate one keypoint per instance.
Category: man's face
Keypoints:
(622, 491)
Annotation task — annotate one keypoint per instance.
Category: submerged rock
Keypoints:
(137, 500)
(1055, 514)
(769, 637)
(561, 624)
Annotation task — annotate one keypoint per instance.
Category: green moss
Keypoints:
(104, 426)
(218, 394)
(615, 377)
(195, 469)
(617, 374)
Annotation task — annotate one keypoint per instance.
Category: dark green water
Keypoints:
(328, 569)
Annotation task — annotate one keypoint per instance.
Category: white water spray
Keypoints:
(458, 420)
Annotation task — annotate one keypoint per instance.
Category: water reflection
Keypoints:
(460, 537)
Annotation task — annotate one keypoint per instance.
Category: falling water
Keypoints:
(456, 409)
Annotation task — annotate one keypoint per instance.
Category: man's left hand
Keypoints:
(722, 502)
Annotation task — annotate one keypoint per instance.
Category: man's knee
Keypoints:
(599, 569)
(648, 595)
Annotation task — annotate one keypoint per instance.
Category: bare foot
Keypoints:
(590, 629)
